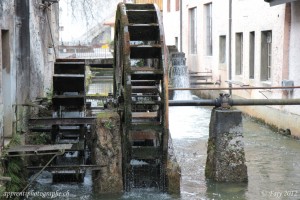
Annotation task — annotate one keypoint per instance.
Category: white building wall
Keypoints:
(249, 16)
(220, 28)
(294, 59)
(171, 21)
(193, 60)
(258, 16)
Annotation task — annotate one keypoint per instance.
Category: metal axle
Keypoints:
(240, 88)
(225, 102)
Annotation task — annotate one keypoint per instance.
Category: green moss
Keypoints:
(209, 167)
(173, 177)
(107, 115)
(98, 95)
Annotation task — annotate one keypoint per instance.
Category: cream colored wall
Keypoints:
(258, 16)
(254, 15)
(248, 16)
(171, 21)
(193, 60)
(294, 52)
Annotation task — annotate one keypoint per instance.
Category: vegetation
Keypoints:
(88, 78)
(111, 44)
(14, 168)
(39, 138)
(15, 171)
(2, 190)
(107, 118)
(49, 93)
(108, 124)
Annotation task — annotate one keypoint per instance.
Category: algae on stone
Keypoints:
(107, 153)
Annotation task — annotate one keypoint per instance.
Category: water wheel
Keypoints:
(140, 85)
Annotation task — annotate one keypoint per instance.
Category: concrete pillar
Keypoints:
(225, 153)
(106, 152)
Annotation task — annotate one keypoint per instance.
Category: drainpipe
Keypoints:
(286, 41)
(229, 45)
(180, 25)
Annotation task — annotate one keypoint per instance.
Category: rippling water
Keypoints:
(273, 164)
(273, 160)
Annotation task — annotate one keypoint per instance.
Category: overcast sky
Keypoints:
(74, 27)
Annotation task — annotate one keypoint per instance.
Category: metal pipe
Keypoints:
(202, 102)
(53, 43)
(263, 102)
(180, 31)
(239, 88)
(234, 102)
(229, 45)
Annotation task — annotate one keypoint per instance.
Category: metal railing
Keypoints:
(85, 52)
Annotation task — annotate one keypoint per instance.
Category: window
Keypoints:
(6, 85)
(251, 54)
(239, 53)
(222, 49)
(208, 13)
(266, 55)
(176, 42)
(177, 5)
(5, 50)
(193, 30)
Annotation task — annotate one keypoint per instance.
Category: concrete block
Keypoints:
(225, 153)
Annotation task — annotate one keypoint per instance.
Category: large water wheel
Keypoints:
(140, 85)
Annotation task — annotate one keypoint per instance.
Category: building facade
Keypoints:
(244, 43)
(28, 38)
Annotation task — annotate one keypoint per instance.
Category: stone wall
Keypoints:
(106, 152)
(7, 69)
(44, 37)
(26, 58)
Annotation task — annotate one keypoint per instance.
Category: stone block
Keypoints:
(107, 153)
(225, 153)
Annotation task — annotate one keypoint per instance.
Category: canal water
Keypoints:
(273, 164)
